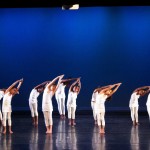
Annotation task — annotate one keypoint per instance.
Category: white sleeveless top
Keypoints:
(100, 101)
(6, 106)
(1, 94)
(60, 93)
(47, 100)
(148, 100)
(33, 96)
(134, 100)
(71, 102)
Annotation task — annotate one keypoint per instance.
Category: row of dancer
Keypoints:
(48, 88)
(102, 94)
(59, 95)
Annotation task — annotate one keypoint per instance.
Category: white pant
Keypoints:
(1, 117)
(148, 110)
(48, 118)
(94, 113)
(71, 112)
(6, 115)
(61, 106)
(33, 108)
(134, 113)
(100, 117)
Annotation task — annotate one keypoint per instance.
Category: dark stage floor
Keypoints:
(120, 134)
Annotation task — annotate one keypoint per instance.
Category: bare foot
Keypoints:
(47, 131)
(137, 123)
(36, 124)
(10, 132)
(50, 131)
(69, 122)
(134, 123)
(74, 124)
(4, 132)
(103, 132)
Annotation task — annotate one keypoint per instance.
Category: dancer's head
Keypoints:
(141, 92)
(108, 92)
(66, 83)
(52, 87)
(14, 91)
(40, 89)
(76, 89)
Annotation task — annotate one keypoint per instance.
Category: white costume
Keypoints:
(60, 97)
(33, 103)
(71, 104)
(1, 96)
(133, 104)
(100, 108)
(6, 108)
(93, 100)
(47, 106)
(148, 105)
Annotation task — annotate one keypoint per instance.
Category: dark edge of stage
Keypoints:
(59, 3)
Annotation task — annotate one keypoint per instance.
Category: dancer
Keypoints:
(33, 102)
(93, 101)
(101, 97)
(133, 103)
(71, 102)
(2, 91)
(47, 107)
(6, 106)
(60, 96)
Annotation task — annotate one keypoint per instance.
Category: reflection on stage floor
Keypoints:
(120, 134)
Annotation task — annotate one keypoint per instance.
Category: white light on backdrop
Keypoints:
(70, 7)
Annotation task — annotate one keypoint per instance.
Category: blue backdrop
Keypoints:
(103, 45)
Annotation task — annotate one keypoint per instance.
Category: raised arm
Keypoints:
(110, 88)
(59, 81)
(106, 89)
(115, 89)
(141, 88)
(65, 80)
(101, 88)
(19, 85)
(10, 87)
(53, 81)
(41, 85)
(79, 84)
(147, 90)
(73, 84)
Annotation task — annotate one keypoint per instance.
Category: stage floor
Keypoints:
(120, 134)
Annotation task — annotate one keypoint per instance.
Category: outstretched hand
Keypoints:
(119, 84)
(78, 79)
(61, 76)
(21, 80)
